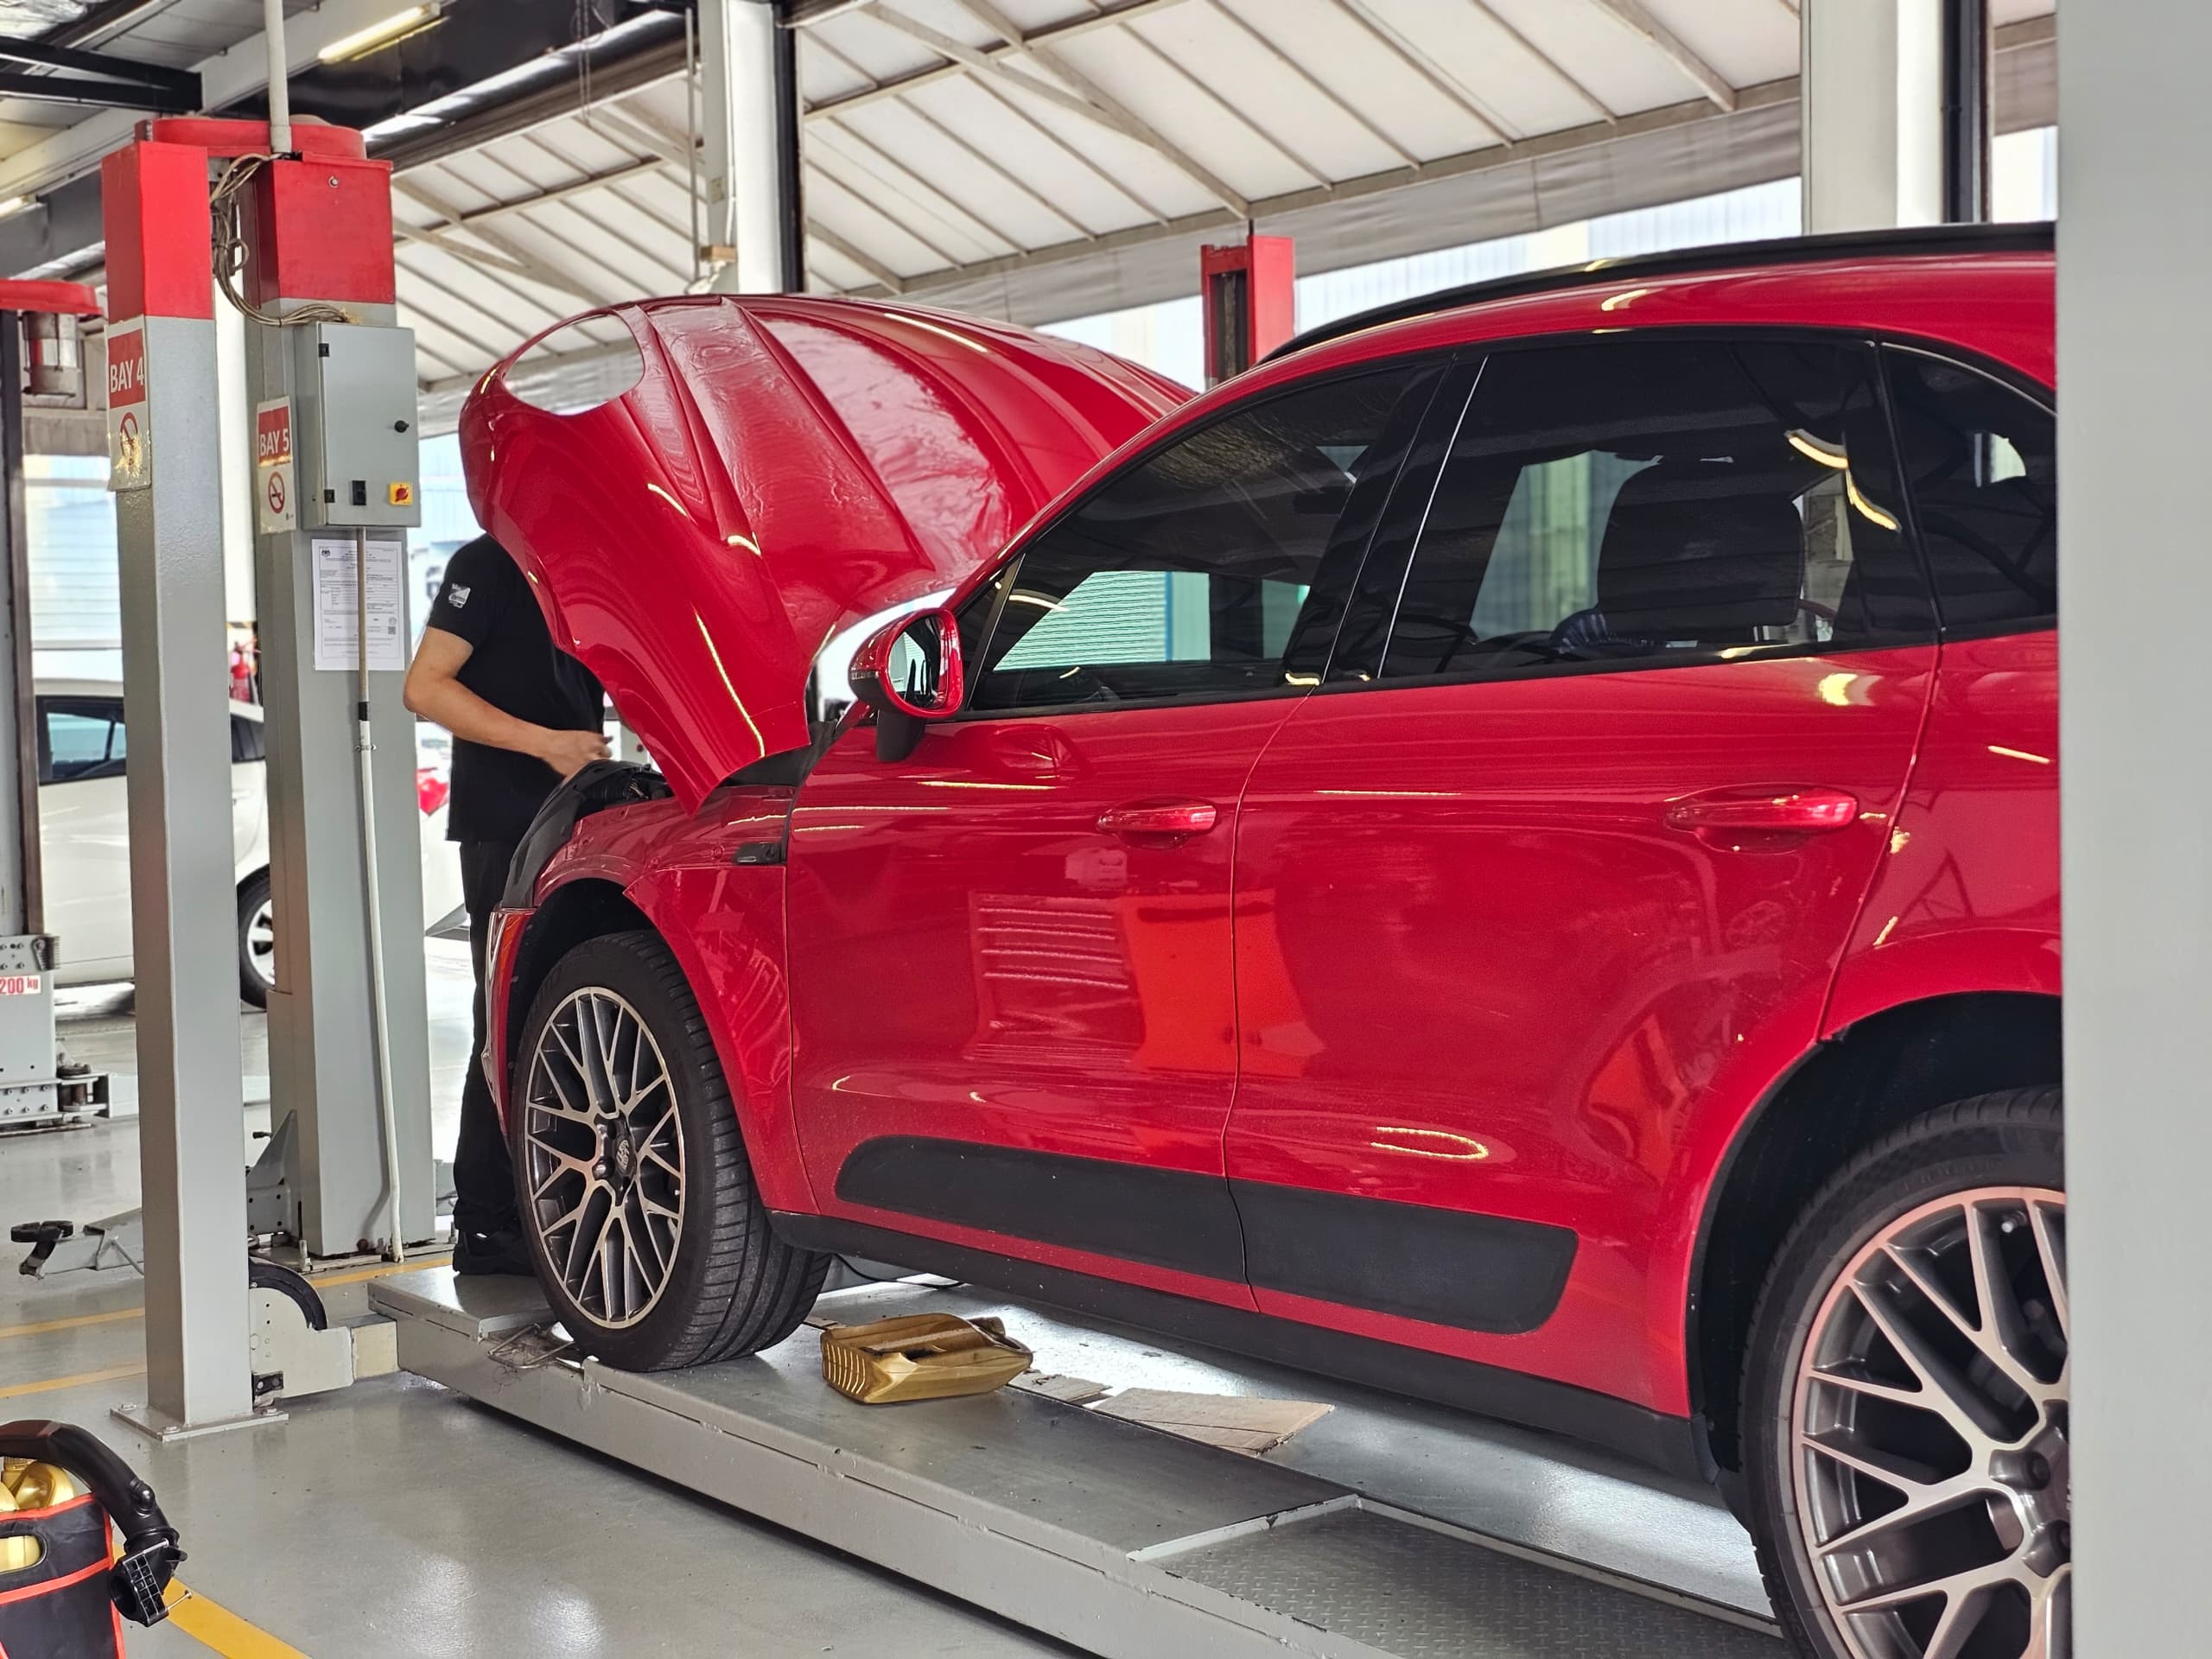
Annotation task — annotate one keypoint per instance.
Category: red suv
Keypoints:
(1510, 854)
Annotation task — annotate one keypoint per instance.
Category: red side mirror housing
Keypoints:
(910, 672)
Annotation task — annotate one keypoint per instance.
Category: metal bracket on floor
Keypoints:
(116, 1240)
(294, 1349)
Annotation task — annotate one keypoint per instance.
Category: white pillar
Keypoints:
(748, 133)
(2135, 148)
(1872, 94)
(234, 411)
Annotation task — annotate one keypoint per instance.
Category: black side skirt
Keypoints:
(1664, 1442)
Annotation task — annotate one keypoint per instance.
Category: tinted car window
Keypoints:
(83, 740)
(1195, 572)
(1981, 462)
(1643, 501)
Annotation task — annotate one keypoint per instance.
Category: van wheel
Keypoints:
(634, 1190)
(1906, 1395)
(257, 940)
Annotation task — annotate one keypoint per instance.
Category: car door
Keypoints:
(1010, 951)
(249, 791)
(1571, 840)
(85, 833)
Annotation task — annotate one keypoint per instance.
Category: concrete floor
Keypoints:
(396, 1519)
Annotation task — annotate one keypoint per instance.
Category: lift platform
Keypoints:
(1387, 1529)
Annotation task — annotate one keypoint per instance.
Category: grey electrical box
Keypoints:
(359, 456)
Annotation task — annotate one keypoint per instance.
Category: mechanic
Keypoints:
(524, 715)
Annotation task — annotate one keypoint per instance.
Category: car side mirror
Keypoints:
(910, 672)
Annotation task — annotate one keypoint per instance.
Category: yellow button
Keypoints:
(402, 495)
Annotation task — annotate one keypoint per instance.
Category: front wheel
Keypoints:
(647, 1232)
(1905, 1400)
(257, 940)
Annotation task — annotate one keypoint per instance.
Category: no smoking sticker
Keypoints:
(130, 463)
(276, 509)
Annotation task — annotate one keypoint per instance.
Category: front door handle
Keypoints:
(1159, 820)
(1784, 810)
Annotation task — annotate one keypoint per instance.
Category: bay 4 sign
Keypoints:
(275, 499)
(130, 458)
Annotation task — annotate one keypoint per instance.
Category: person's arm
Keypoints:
(432, 691)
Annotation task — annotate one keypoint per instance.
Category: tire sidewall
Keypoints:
(253, 892)
(1913, 1170)
(624, 965)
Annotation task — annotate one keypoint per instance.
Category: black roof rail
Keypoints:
(2030, 237)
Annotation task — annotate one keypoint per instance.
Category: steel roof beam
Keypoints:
(1082, 157)
(1313, 83)
(882, 168)
(1318, 173)
(892, 281)
(626, 284)
(1087, 99)
(486, 259)
(1636, 18)
(1457, 91)
(569, 282)
(1471, 160)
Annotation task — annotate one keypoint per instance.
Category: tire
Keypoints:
(1882, 1262)
(695, 1274)
(257, 941)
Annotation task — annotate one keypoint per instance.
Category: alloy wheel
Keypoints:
(1930, 1434)
(261, 941)
(603, 1157)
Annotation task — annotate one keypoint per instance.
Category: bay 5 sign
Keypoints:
(276, 497)
(128, 455)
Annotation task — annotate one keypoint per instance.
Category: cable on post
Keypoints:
(230, 250)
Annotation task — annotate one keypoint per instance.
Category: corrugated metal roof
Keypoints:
(174, 34)
(1039, 158)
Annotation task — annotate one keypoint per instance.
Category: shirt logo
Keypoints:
(457, 596)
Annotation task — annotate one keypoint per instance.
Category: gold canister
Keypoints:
(921, 1356)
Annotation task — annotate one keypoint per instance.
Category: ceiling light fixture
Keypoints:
(368, 40)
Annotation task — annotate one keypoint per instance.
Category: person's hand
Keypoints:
(569, 753)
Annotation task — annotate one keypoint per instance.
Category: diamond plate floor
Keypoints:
(1402, 1589)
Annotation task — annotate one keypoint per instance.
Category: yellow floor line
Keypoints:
(412, 1264)
(17, 1391)
(118, 1315)
(71, 1322)
(213, 1625)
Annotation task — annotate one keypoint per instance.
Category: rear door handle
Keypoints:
(1784, 810)
(1157, 820)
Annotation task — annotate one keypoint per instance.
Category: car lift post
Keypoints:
(323, 216)
(165, 469)
(318, 234)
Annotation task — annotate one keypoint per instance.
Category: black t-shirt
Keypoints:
(515, 667)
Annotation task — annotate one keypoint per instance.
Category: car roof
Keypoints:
(1990, 296)
(72, 687)
(1921, 240)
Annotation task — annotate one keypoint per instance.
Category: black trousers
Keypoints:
(483, 1174)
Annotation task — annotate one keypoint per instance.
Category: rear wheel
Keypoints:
(1906, 1397)
(634, 1186)
(257, 940)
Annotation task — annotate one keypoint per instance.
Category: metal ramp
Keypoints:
(1119, 1539)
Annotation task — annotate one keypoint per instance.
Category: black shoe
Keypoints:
(488, 1253)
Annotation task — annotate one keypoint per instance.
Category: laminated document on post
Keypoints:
(337, 605)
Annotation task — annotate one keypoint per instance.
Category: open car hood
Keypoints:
(775, 468)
